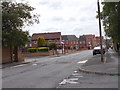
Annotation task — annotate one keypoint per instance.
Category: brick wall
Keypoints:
(39, 54)
(70, 51)
(20, 56)
(6, 58)
(6, 55)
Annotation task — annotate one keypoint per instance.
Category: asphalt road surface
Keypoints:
(83, 80)
(46, 72)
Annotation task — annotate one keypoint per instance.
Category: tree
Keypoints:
(111, 20)
(41, 42)
(14, 17)
(52, 45)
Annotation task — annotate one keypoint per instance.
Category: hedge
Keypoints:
(40, 49)
(43, 49)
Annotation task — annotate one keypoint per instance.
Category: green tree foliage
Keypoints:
(14, 17)
(41, 42)
(111, 20)
(52, 45)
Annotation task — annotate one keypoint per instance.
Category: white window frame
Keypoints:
(80, 42)
(74, 42)
(35, 42)
(66, 41)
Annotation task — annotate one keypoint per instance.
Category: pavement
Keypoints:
(15, 63)
(110, 65)
(94, 73)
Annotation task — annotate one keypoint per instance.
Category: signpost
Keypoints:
(100, 31)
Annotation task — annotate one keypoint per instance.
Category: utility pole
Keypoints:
(100, 31)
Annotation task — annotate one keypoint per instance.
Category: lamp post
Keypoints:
(100, 31)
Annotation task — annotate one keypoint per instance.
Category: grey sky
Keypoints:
(76, 17)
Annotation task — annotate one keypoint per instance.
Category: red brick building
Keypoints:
(98, 40)
(90, 40)
(70, 41)
(82, 42)
(87, 41)
(49, 37)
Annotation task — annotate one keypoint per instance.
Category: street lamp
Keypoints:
(100, 31)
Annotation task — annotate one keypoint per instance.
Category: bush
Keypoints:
(41, 42)
(40, 49)
(32, 50)
(43, 49)
(52, 45)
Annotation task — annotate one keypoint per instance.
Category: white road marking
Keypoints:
(63, 82)
(82, 61)
(78, 76)
(75, 74)
(71, 81)
(34, 64)
(75, 71)
(18, 66)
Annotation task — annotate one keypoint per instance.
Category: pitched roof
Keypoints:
(53, 35)
(89, 36)
(82, 38)
(69, 37)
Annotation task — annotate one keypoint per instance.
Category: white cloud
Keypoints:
(67, 16)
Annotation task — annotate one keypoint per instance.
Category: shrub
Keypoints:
(43, 49)
(52, 45)
(40, 49)
(41, 42)
(32, 50)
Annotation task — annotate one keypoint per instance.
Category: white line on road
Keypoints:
(18, 66)
(82, 61)
(71, 81)
(78, 76)
(75, 71)
(34, 64)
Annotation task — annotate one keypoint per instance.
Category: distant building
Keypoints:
(82, 42)
(49, 37)
(90, 40)
(70, 41)
(29, 43)
(87, 41)
(98, 40)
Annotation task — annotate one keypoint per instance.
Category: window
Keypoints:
(26, 45)
(66, 42)
(30, 45)
(77, 42)
(35, 42)
(49, 40)
(80, 42)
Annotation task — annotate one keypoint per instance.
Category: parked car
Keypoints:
(97, 50)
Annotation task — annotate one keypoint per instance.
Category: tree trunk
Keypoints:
(15, 54)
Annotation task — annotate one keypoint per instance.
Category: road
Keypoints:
(83, 80)
(46, 72)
